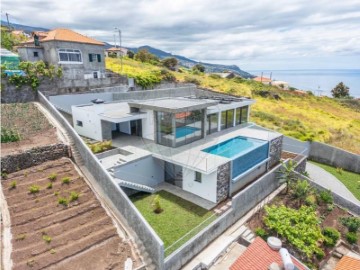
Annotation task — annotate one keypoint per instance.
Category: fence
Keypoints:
(120, 203)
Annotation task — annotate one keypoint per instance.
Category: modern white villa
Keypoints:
(198, 141)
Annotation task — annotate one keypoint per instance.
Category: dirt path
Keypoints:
(46, 234)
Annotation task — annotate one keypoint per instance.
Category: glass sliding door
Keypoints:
(227, 119)
(212, 120)
(244, 114)
(164, 128)
(189, 127)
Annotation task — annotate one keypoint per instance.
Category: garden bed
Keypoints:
(319, 209)
(178, 217)
(56, 221)
(23, 127)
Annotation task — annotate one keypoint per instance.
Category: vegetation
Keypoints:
(24, 120)
(35, 72)
(9, 40)
(179, 218)
(286, 174)
(199, 68)
(170, 63)
(63, 201)
(66, 180)
(156, 205)
(262, 233)
(304, 117)
(100, 146)
(352, 237)
(299, 226)
(34, 189)
(331, 236)
(144, 56)
(325, 196)
(349, 179)
(301, 190)
(74, 196)
(49, 186)
(13, 185)
(340, 91)
(46, 238)
(52, 177)
(352, 223)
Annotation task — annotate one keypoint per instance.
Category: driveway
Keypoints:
(329, 181)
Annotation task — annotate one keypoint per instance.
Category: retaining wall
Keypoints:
(336, 157)
(120, 203)
(33, 157)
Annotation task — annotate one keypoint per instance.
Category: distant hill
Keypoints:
(25, 28)
(186, 62)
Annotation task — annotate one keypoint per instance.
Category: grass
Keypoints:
(63, 201)
(52, 177)
(304, 117)
(34, 189)
(177, 218)
(65, 180)
(349, 179)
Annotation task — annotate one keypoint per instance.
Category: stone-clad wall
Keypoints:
(275, 151)
(223, 182)
(33, 157)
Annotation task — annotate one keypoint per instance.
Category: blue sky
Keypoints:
(297, 34)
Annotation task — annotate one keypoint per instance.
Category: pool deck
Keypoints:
(191, 155)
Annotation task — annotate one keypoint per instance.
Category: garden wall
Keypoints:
(336, 157)
(114, 195)
(33, 157)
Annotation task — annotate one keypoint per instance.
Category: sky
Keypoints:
(255, 35)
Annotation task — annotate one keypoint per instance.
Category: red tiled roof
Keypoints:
(62, 34)
(348, 263)
(116, 49)
(263, 79)
(259, 256)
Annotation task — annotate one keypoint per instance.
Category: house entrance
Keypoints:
(136, 128)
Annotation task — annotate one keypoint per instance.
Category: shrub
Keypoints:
(34, 189)
(198, 67)
(157, 205)
(352, 223)
(20, 237)
(331, 236)
(47, 238)
(193, 80)
(4, 175)
(170, 63)
(73, 196)
(351, 237)
(310, 200)
(52, 177)
(215, 76)
(56, 193)
(326, 197)
(66, 180)
(319, 254)
(63, 201)
(289, 223)
(8, 135)
(261, 232)
(13, 185)
(49, 186)
(330, 207)
(100, 146)
(339, 170)
(167, 75)
(301, 189)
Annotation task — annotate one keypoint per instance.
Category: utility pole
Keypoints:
(7, 18)
(115, 40)
(121, 63)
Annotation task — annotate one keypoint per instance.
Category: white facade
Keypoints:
(87, 123)
(206, 189)
(148, 125)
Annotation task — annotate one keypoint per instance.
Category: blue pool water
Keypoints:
(246, 153)
(184, 131)
(234, 146)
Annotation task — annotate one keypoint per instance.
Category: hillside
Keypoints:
(304, 117)
(186, 62)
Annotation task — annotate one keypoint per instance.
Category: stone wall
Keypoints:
(223, 182)
(33, 157)
(275, 151)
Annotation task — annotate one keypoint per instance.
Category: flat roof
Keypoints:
(174, 105)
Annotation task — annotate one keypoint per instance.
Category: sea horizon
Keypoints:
(319, 81)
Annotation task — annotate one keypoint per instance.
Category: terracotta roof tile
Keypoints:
(259, 256)
(264, 79)
(62, 34)
(348, 263)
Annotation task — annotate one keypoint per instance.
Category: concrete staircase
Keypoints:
(219, 211)
(247, 235)
(135, 186)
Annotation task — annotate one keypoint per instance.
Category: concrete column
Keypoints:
(106, 128)
(219, 121)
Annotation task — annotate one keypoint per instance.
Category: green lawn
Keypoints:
(178, 218)
(349, 179)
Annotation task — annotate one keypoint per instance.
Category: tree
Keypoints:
(143, 55)
(286, 174)
(170, 63)
(130, 54)
(9, 40)
(198, 67)
(340, 91)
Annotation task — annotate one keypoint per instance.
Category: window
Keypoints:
(36, 54)
(94, 57)
(79, 123)
(70, 55)
(197, 177)
(227, 118)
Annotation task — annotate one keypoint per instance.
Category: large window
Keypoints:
(70, 55)
(227, 119)
(212, 120)
(241, 115)
(164, 129)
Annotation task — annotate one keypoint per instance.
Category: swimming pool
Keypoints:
(185, 130)
(234, 146)
(245, 153)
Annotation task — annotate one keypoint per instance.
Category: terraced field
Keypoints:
(62, 225)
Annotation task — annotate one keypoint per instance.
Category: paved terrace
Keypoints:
(190, 155)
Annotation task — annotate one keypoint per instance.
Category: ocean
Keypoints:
(316, 79)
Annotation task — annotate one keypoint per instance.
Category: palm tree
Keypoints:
(286, 173)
